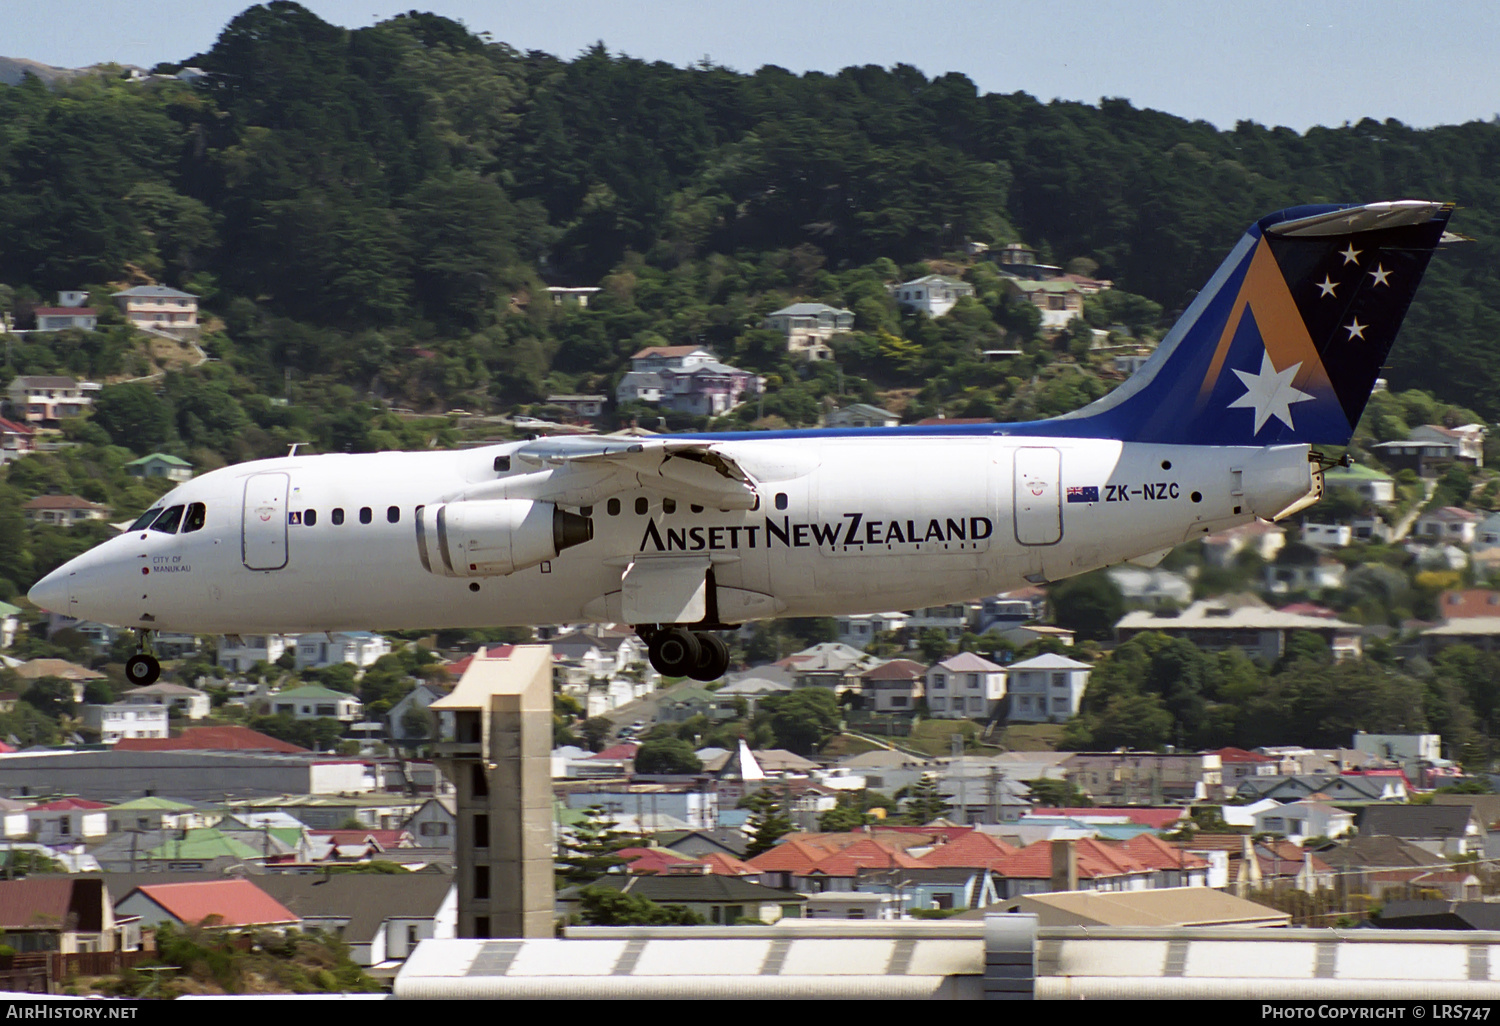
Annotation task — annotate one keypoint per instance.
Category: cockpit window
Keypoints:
(168, 521)
(145, 519)
(197, 514)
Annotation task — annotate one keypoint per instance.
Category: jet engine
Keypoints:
(489, 538)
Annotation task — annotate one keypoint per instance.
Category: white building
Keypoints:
(1046, 689)
(156, 306)
(809, 326)
(47, 399)
(123, 719)
(361, 648)
(964, 686)
(189, 702)
(313, 702)
(238, 654)
(933, 294)
(1297, 821)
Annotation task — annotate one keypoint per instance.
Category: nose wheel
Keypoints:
(679, 652)
(143, 669)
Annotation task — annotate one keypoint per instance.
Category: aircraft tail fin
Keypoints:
(1285, 342)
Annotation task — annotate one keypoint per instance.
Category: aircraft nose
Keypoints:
(53, 592)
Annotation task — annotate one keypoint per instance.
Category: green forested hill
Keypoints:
(377, 209)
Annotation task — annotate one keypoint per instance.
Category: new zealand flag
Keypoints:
(1086, 493)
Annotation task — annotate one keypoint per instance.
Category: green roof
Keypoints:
(164, 804)
(175, 461)
(203, 843)
(311, 691)
(1358, 471)
(6, 609)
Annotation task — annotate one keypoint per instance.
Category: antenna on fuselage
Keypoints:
(293, 450)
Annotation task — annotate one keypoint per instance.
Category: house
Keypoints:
(78, 676)
(402, 721)
(61, 318)
(861, 415)
(1468, 438)
(314, 702)
(160, 464)
(1263, 538)
(382, 917)
(1414, 753)
(577, 297)
(1127, 777)
(16, 440)
(809, 326)
(1299, 821)
(1159, 908)
(223, 904)
(156, 306)
(953, 619)
(684, 702)
(1364, 481)
(932, 294)
(827, 664)
(44, 400)
(859, 629)
(119, 721)
(435, 823)
(1447, 830)
(1244, 622)
(964, 686)
(1237, 764)
(188, 702)
(1331, 787)
(895, 686)
(67, 821)
(1058, 300)
(214, 739)
(1327, 536)
(239, 654)
(1142, 587)
(1304, 568)
(586, 407)
(1447, 525)
(360, 648)
(62, 510)
(1046, 689)
(1019, 261)
(752, 690)
(1426, 457)
(10, 622)
(63, 914)
(155, 813)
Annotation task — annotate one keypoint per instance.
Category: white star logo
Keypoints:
(1350, 255)
(1270, 393)
(1381, 275)
(1356, 330)
(1327, 285)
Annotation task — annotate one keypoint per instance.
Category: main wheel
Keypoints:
(142, 670)
(713, 658)
(674, 652)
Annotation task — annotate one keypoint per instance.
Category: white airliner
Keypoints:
(687, 534)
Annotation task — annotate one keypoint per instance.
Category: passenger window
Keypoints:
(393, 514)
(781, 500)
(669, 505)
(365, 516)
(310, 518)
(197, 513)
(641, 506)
(612, 507)
(502, 464)
(168, 521)
(337, 516)
(696, 508)
(145, 519)
(585, 511)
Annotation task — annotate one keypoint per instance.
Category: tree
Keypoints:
(801, 720)
(50, 696)
(667, 756)
(1090, 605)
(589, 847)
(605, 906)
(924, 802)
(770, 820)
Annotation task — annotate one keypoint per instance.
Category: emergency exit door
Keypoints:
(1038, 497)
(263, 522)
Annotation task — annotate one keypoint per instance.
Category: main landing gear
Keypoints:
(142, 669)
(679, 652)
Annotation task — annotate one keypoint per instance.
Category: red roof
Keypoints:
(1240, 755)
(866, 854)
(234, 902)
(723, 864)
(383, 839)
(654, 860)
(974, 850)
(70, 804)
(1468, 602)
(896, 669)
(790, 857)
(458, 666)
(26, 903)
(1152, 851)
(1094, 859)
(217, 739)
(623, 750)
(11, 427)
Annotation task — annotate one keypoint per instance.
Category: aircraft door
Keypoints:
(1038, 496)
(263, 538)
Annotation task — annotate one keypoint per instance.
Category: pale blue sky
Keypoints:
(1279, 62)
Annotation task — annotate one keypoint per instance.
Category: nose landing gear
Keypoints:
(679, 652)
(143, 669)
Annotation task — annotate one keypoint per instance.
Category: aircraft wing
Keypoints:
(583, 470)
